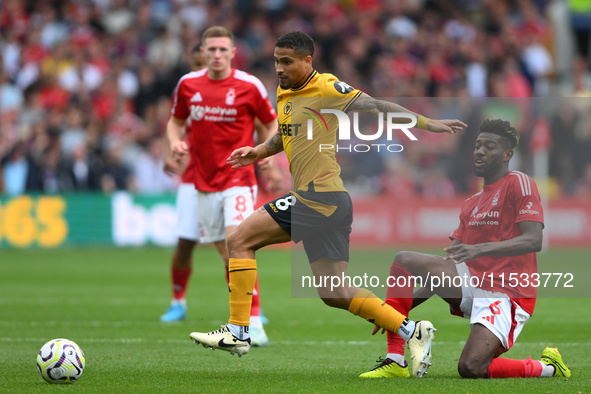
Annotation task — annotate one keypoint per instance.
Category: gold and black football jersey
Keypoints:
(306, 130)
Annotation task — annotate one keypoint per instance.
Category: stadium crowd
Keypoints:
(85, 85)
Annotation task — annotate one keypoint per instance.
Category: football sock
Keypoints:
(179, 278)
(366, 305)
(508, 368)
(255, 309)
(397, 358)
(548, 371)
(243, 275)
(399, 298)
(240, 332)
(407, 328)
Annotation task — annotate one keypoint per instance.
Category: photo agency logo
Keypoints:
(394, 122)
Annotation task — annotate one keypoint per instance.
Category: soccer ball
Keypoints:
(61, 361)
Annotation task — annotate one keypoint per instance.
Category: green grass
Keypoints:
(109, 302)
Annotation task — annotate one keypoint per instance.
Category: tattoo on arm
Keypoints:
(273, 145)
(373, 106)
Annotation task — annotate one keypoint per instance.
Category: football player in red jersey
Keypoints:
(221, 104)
(499, 234)
(187, 223)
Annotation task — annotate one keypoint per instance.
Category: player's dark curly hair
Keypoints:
(502, 128)
(301, 43)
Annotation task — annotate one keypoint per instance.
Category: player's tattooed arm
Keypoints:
(248, 155)
(375, 107)
(273, 145)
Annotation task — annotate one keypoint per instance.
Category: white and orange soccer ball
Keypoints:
(61, 361)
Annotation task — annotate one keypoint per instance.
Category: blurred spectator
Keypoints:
(19, 171)
(435, 185)
(100, 73)
(73, 133)
(582, 186)
(581, 22)
(82, 171)
(115, 175)
(148, 171)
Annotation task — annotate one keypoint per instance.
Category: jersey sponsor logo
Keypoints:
(343, 87)
(478, 219)
(273, 207)
(238, 218)
(529, 204)
(474, 211)
(528, 212)
(490, 319)
(290, 130)
(196, 98)
(230, 96)
(214, 114)
(490, 214)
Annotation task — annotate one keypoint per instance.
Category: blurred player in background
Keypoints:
(187, 221)
(222, 105)
(494, 249)
(319, 211)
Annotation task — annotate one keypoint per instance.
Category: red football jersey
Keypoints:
(189, 173)
(493, 215)
(222, 116)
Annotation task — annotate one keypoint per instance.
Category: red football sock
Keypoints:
(180, 278)
(399, 298)
(508, 368)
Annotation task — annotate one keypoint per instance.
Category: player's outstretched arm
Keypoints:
(368, 104)
(247, 155)
(529, 241)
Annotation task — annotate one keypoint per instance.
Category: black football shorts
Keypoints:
(324, 229)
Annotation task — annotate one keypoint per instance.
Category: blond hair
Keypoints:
(217, 31)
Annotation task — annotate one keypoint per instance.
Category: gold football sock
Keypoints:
(243, 275)
(374, 310)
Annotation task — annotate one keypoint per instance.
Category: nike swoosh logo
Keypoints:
(419, 335)
(221, 343)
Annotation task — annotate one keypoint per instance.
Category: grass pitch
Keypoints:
(109, 302)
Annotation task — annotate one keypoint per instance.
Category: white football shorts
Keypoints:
(218, 210)
(494, 310)
(187, 225)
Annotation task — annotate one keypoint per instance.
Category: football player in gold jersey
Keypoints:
(319, 210)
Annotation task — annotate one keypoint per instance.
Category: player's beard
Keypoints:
(284, 84)
(489, 169)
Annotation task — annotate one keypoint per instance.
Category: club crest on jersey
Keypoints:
(230, 96)
(287, 108)
(196, 98)
(495, 200)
